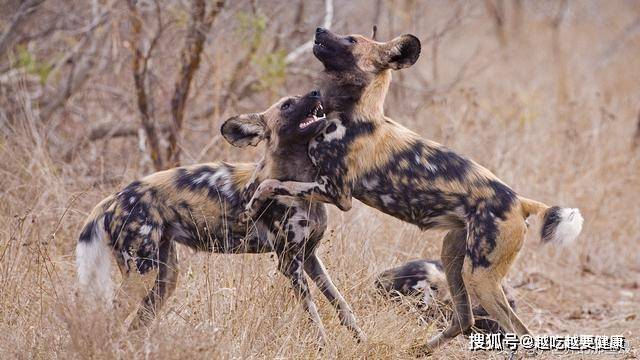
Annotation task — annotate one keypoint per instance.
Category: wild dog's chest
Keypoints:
(331, 150)
(328, 150)
(289, 221)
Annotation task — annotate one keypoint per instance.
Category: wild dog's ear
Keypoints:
(243, 130)
(403, 51)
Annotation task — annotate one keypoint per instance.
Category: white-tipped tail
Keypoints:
(561, 225)
(93, 261)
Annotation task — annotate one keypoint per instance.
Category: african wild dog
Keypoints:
(425, 279)
(364, 154)
(198, 206)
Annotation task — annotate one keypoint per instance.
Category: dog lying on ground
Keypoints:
(425, 280)
(364, 154)
(198, 206)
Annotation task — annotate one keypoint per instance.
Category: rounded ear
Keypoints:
(404, 51)
(243, 130)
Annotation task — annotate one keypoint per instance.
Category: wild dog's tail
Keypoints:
(559, 225)
(93, 256)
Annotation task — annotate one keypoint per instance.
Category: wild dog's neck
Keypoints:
(341, 90)
(371, 103)
(359, 95)
(288, 162)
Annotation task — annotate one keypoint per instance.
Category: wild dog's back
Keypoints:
(195, 205)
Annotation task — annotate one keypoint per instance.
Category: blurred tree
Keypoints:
(200, 23)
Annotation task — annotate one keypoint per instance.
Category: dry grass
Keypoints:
(557, 127)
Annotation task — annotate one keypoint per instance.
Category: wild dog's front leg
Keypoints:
(291, 265)
(322, 190)
(316, 270)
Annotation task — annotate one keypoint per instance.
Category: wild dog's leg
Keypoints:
(323, 190)
(318, 273)
(164, 286)
(132, 289)
(484, 281)
(491, 295)
(291, 265)
(453, 252)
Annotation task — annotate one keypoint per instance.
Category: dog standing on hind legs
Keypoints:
(362, 153)
(199, 206)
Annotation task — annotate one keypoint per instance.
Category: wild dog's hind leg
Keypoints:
(453, 252)
(318, 273)
(133, 287)
(484, 278)
(164, 286)
(291, 265)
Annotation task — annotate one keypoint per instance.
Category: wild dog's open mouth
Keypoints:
(315, 115)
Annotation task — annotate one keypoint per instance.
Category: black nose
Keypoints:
(320, 30)
(315, 94)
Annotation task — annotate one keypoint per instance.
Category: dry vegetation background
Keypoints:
(92, 95)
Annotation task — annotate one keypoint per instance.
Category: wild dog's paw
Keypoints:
(266, 189)
(243, 217)
(246, 215)
(360, 335)
(251, 210)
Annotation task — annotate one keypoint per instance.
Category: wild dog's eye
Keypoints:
(352, 39)
(285, 106)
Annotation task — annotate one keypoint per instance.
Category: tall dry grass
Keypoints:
(556, 127)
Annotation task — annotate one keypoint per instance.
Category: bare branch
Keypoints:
(26, 8)
(452, 23)
(116, 130)
(81, 64)
(560, 15)
(299, 19)
(306, 47)
(558, 51)
(618, 42)
(636, 136)
(497, 13)
(461, 75)
(238, 74)
(139, 78)
(108, 130)
(190, 59)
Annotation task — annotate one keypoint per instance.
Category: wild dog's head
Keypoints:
(358, 53)
(291, 121)
(354, 62)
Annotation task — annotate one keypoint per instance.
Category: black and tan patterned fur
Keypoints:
(425, 280)
(198, 206)
(364, 154)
